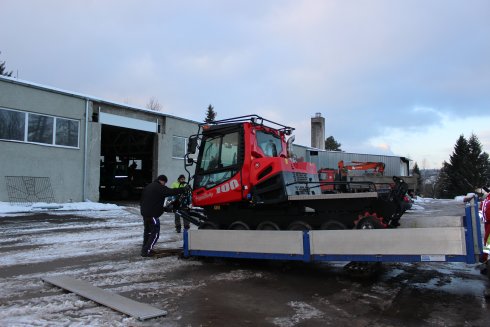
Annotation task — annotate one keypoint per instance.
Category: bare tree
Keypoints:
(153, 104)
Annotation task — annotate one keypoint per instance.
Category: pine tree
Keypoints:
(332, 145)
(416, 172)
(3, 69)
(478, 164)
(210, 114)
(442, 183)
(459, 169)
(486, 169)
(468, 169)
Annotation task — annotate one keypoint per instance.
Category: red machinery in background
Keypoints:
(371, 168)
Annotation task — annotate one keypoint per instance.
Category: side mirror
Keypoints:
(192, 144)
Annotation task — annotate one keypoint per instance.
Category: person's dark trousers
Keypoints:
(178, 225)
(150, 234)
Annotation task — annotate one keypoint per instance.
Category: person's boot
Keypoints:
(149, 253)
(177, 229)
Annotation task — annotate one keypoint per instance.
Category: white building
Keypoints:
(62, 146)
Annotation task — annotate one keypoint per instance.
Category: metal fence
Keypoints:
(25, 190)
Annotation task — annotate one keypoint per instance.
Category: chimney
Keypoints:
(318, 131)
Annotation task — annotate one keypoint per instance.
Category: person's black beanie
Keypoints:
(162, 178)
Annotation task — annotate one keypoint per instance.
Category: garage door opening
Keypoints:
(126, 162)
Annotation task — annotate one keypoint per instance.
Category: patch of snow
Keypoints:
(302, 311)
(238, 274)
(7, 208)
(416, 207)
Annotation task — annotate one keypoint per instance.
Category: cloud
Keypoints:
(371, 68)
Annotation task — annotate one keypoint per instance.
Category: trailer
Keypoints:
(433, 244)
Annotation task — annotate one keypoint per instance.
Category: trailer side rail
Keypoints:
(442, 244)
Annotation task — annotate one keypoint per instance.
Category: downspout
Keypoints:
(85, 153)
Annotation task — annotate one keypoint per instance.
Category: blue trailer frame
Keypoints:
(472, 239)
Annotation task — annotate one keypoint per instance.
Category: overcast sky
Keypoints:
(403, 78)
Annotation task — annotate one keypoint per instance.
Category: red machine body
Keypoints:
(243, 162)
(246, 178)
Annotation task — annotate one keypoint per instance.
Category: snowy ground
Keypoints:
(100, 243)
(72, 237)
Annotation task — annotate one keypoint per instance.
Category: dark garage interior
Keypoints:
(126, 162)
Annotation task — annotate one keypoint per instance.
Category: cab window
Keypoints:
(270, 144)
(220, 151)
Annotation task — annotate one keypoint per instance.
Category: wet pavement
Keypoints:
(103, 249)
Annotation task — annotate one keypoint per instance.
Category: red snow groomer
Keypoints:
(246, 177)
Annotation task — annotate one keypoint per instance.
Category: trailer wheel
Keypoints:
(332, 225)
(299, 225)
(268, 225)
(369, 221)
(239, 225)
(208, 225)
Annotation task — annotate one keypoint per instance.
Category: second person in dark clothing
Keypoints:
(179, 183)
(151, 207)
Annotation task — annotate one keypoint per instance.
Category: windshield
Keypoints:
(270, 144)
(219, 153)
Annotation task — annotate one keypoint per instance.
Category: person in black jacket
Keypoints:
(152, 199)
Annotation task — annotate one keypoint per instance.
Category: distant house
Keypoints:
(61, 146)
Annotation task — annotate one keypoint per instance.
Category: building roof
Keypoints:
(87, 97)
(309, 148)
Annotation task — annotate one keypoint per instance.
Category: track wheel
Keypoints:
(268, 225)
(332, 225)
(209, 225)
(239, 225)
(369, 221)
(299, 225)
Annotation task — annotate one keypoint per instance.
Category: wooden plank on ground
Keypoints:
(139, 310)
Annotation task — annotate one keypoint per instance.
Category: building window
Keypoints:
(40, 129)
(179, 147)
(12, 125)
(34, 128)
(66, 132)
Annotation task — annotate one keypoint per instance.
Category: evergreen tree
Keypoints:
(467, 170)
(332, 145)
(416, 172)
(210, 114)
(486, 169)
(3, 69)
(478, 164)
(441, 188)
(459, 170)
